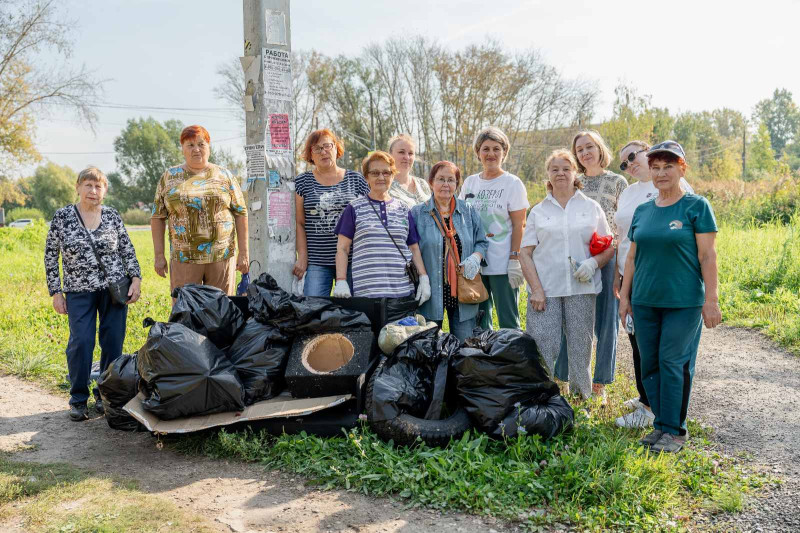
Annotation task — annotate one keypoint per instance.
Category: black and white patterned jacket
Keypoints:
(79, 263)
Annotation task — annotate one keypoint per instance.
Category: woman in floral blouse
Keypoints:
(84, 293)
(207, 216)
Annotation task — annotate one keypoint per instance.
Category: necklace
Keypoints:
(94, 222)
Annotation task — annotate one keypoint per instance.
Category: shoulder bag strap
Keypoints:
(386, 228)
(440, 224)
(91, 240)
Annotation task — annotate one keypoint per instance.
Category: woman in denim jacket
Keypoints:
(463, 230)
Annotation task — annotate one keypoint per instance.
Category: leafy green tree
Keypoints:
(27, 29)
(144, 150)
(11, 194)
(52, 187)
(761, 158)
(781, 116)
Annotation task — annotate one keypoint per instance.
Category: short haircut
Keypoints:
(491, 134)
(401, 137)
(445, 164)
(602, 147)
(314, 137)
(191, 132)
(644, 145)
(566, 155)
(92, 173)
(667, 157)
(377, 156)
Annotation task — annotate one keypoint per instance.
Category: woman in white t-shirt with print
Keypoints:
(634, 161)
(563, 277)
(501, 200)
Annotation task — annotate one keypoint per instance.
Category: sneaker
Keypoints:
(632, 404)
(669, 443)
(98, 406)
(640, 418)
(78, 412)
(652, 437)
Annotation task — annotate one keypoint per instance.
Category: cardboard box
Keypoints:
(282, 405)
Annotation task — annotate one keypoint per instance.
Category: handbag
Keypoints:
(411, 269)
(469, 291)
(117, 289)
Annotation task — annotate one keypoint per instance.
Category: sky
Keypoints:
(688, 55)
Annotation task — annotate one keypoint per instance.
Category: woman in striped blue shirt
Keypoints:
(383, 237)
(321, 195)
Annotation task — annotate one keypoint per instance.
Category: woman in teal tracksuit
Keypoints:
(672, 271)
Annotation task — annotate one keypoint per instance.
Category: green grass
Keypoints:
(58, 497)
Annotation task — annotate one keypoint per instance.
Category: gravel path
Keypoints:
(746, 388)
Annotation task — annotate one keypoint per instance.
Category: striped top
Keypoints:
(378, 269)
(323, 205)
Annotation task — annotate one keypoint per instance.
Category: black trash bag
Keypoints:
(118, 385)
(184, 374)
(414, 377)
(259, 354)
(208, 311)
(397, 308)
(546, 419)
(295, 315)
(496, 370)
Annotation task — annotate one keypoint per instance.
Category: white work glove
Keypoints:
(472, 265)
(298, 285)
(341, 289)
(515, 277)
(586, 270)
(424, 290)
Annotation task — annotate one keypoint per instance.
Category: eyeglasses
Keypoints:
(442, 181)
(628, 160)
(378, 173)
(318, 149)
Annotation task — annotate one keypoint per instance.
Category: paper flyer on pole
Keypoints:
(277, 74)
(256, 163)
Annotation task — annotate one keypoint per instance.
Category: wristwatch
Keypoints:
(514, 254)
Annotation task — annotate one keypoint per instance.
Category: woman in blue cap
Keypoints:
(670, 288)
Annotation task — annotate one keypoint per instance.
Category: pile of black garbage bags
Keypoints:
(497, 378)
(207, 358)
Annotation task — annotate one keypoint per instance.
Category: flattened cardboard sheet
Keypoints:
(282, 405)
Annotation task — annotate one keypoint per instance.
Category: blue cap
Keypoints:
(667, 147)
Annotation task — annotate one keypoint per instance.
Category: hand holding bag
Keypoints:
(117, 289)
(469, 291)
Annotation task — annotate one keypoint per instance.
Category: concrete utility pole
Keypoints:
(267, 32)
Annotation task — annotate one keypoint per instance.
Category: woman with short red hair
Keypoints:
(669, 287)
(207, 217)
(321, 194)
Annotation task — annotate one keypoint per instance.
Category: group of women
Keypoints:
(595, 253)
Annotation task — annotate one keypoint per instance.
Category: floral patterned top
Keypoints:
(200, 208)
(605, 190)
(68, 238)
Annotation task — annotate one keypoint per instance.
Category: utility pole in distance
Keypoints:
(268, 114)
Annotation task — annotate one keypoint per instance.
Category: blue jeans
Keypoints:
(461, 329)
(319, 280)
(606, 327)
(82, 311)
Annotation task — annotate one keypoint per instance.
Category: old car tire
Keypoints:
(405, 429)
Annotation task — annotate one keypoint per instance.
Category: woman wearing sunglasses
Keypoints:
(634, 162)
(321, 195)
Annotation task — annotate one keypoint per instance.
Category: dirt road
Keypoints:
(746, 388)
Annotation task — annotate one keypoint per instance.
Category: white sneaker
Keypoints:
(640, 418)
(632, 404)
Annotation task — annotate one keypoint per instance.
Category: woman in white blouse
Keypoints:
(563, 277)
(634, 162)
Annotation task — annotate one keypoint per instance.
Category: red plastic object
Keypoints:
(598, 245)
